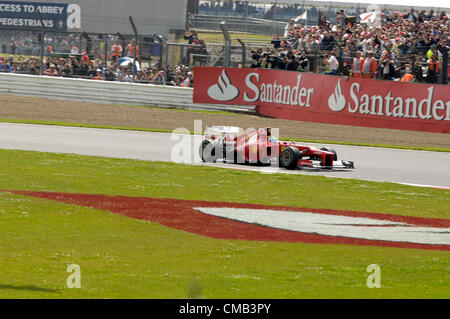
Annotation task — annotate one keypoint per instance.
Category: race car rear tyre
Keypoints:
(326, 149)
(289, 157)
(209, 152)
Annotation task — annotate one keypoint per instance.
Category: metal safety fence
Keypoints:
(166, 60)
(77, 54)
(238, 24)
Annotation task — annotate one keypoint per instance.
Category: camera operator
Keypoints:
(256, 55)
(282, 62)
(444, 49)
(303, 62)
(258, 63)
(292, 64)
(331, 64)
(433, 69)
(274, 61)
(387, 66)
(191, 36)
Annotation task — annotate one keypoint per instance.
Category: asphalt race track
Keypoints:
(378, 164)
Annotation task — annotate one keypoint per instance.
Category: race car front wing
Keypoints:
(318, 164)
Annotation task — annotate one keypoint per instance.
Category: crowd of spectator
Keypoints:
(272, 11)
(27, 42)
(96, 70)
(396, 44)
(21, 50)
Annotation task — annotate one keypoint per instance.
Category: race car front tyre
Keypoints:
(289, 157)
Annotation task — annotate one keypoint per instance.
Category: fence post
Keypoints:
(160, 41)
(88, 44)
(135, 45)
(340, 67)
(227, 48)
(42, 42)
(106, 53)
(444, 65)
(166, 62)
(316, 63)
(244, 53)
(80, 42)
(122, 39)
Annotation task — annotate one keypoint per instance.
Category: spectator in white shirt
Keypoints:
(331, 64)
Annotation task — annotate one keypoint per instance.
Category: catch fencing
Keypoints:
(238, 24)
(96, 45)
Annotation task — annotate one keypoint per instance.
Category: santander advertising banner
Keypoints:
(328, 99)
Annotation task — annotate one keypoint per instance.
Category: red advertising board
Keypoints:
(328, 99)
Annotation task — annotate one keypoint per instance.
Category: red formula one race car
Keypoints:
(259, 146)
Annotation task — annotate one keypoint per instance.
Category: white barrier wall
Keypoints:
(106, 92)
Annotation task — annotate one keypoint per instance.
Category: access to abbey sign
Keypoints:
(328, 99)
(24, 15)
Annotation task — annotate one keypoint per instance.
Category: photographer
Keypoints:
(293, 63)
(443, 49)
(433, 69)
(198, 49)
(282, 62)
(257, 64)
(303, 62)
(256, 55)
(191, 36)
(109, 75)
(387, 68)
(271, 61)
(331, 64)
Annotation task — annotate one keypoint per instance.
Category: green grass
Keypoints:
(126, 258)
(182, 109)
(217, 37)
(419, 148)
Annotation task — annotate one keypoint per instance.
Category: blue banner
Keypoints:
(23, 15)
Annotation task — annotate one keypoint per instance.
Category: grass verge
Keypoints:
(184, 110)
(217, 37)
(126, 258)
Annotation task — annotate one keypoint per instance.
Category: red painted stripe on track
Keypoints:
(181, 215)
